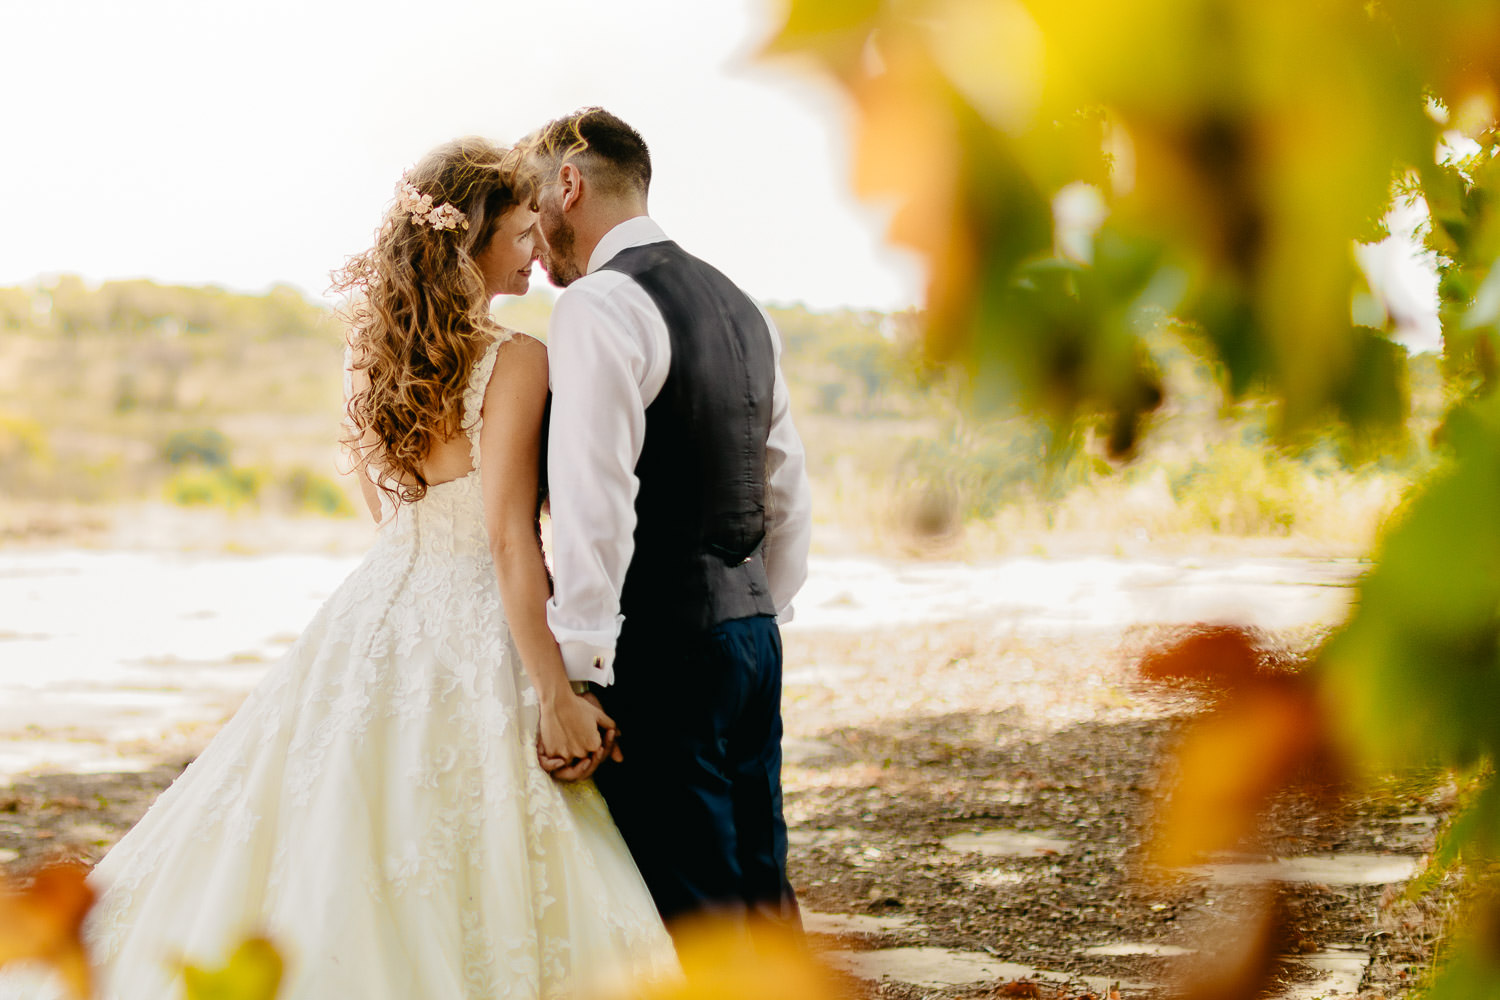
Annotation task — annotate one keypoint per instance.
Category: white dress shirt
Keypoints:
(608, 353)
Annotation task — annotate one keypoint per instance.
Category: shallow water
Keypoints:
(1054, 596)
(104, 655)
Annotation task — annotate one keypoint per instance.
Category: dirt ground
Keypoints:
(958, 730)
(897, 740)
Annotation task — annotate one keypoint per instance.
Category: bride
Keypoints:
(377, 807)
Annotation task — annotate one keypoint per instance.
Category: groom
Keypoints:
(680, 518)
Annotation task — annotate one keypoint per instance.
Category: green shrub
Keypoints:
(317, 494)
(1240, 489)
(22, 440)
(200, 444)
(984, 466)
(27, 463)
(223, 487)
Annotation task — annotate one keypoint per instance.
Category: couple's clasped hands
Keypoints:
(575, 736)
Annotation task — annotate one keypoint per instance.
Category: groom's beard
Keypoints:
(558, 260)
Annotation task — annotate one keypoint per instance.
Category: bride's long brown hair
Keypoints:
(418, 312)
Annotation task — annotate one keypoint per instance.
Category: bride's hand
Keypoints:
(572, 727)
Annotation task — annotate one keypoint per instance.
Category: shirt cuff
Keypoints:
(786, 614)
(589, 663)
(588, 653)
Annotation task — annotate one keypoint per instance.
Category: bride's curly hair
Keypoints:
(418, 313)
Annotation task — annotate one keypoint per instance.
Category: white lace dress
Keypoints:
(376, 808)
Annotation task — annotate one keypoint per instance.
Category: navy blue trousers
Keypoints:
(698, 796)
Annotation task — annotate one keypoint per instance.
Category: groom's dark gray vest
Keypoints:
(701, 510)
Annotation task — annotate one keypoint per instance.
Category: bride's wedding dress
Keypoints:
(376, 807)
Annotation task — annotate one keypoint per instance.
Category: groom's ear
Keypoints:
(570, 183)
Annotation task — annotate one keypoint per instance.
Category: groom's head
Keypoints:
(593, 172)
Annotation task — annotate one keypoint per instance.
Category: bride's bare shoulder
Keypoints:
(521, 350)
(518, 341)
(520, 368)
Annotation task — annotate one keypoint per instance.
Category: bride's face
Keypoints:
(506, 261)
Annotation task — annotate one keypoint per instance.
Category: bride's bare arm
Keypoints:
(510, 454)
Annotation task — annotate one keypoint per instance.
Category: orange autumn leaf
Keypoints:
(42, 921)
(1230, 763)
(1220, 654)
(908, 151)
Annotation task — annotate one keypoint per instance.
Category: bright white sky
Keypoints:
(249, 143)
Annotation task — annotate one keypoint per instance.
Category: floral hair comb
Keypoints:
(413, 202)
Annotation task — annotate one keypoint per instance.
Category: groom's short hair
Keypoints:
(611, 153)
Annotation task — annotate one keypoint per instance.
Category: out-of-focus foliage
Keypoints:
(1412, 680)
(721, 961)
(43, 921)
(1416, 673)
(1238, 150)
(1267, 734)
(253, 972)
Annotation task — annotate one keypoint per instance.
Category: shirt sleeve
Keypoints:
(597, 429)
(789, 496)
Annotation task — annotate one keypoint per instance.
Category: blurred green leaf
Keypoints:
(1472, 966)
(1417, 670)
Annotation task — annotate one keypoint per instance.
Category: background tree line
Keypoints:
(135, 391)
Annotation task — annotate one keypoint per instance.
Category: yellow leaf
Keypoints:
(252, 973)
(996, 56)
(834, 31)
(720, 961)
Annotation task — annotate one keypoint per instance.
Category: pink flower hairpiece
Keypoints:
(422, 211)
